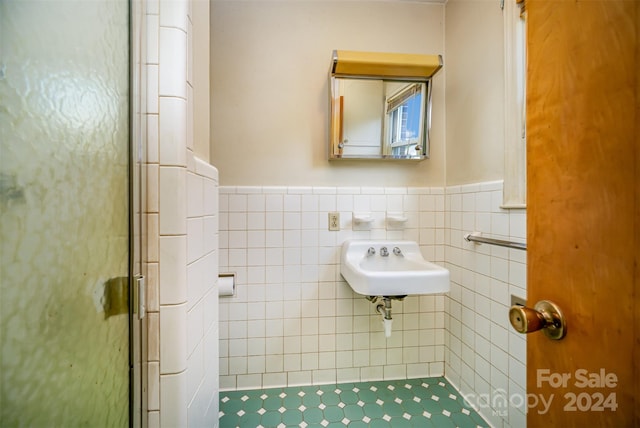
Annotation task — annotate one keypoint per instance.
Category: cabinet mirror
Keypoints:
(379, 118)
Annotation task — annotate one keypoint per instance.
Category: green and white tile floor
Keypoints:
(424, 403)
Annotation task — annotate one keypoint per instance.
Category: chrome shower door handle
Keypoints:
(142, 296)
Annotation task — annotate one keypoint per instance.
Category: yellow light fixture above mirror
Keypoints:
(385, 65)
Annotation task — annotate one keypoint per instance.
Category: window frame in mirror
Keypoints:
(337, 143)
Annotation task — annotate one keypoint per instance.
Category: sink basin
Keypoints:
(404, 273)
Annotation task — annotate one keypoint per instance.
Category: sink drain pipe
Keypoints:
(385, 311)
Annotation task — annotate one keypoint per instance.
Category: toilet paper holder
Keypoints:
(227, 284)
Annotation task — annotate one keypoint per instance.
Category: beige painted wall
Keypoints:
(270, 97)
(474, 91)
(200, 52)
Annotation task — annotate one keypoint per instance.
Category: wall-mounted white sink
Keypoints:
(390, 268)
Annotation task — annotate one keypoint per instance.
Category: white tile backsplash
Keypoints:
(315, 328)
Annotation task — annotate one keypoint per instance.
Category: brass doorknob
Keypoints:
(545, 316)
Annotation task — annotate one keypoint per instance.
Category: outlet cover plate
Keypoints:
(334, 221)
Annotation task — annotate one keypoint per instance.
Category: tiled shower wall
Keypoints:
(181, 259)
(485, 357)
(182, 297)
(294, 321)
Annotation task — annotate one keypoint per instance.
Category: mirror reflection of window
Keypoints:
(404, 117)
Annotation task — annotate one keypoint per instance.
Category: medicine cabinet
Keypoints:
(381, 105)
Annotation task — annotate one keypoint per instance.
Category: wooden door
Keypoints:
(583, 178)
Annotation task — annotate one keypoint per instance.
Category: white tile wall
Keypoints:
(173, 58)
(485, 357)
(202, 272)
(173, 400)
(173, 130)
(181, 221)
(173, 271)
(183, 324)
(173, 340)
(294, 320)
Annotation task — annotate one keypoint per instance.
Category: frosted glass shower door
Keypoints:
(64, 239)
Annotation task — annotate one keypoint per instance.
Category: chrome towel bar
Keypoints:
(475, 237)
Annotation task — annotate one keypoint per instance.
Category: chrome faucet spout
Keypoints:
(384, 252)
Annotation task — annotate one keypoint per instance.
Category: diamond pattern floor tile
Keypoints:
(424, 403)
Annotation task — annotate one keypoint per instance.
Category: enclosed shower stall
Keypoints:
(69, 192)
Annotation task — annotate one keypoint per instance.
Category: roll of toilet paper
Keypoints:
(226, 285)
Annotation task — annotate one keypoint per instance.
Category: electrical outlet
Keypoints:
(334, 221)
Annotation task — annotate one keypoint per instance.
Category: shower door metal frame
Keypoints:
(137, 185)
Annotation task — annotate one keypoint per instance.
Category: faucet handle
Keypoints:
(397, 251)
(371, 251)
